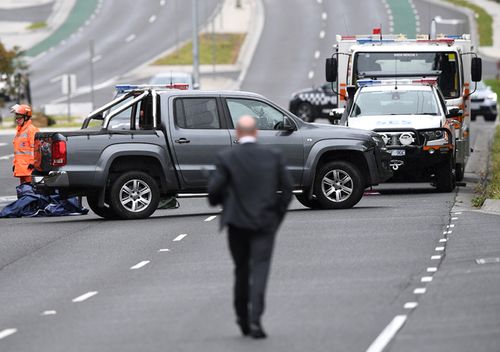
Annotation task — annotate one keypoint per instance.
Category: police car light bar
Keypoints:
(391, 82)
(130, 87)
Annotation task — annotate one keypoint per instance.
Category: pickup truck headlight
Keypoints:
(379, 141)
(435, 138)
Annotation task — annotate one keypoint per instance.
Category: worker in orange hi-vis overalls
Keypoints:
(24, 143)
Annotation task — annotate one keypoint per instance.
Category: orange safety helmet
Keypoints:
(21, 109)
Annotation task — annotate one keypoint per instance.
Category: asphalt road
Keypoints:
(126, 34)
(338, 278)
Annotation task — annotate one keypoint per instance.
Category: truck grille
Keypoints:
(398, 138)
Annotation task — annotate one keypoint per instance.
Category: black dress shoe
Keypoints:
(256, 331)
(244, 327)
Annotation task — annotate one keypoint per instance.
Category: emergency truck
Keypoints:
(449, 59)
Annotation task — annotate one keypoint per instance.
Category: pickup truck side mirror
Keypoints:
(335, 115)
(287, 124)
(454, 112)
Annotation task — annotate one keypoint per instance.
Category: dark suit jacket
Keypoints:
(246, 182)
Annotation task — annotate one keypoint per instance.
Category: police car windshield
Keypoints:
(395, 102)
(443, 64)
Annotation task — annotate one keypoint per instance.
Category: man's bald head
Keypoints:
(246, 126)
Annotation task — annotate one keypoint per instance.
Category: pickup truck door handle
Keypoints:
(182, 141)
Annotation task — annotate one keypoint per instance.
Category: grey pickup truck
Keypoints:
(149, 143)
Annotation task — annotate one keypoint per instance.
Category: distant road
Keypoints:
(127, 33)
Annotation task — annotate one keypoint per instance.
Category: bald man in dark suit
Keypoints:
(253, 185)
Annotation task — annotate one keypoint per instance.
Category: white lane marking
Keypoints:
(162, 3)
(432, 269)
(317, 54)
(152, 19)
(387, 334)
(426, 279)
(322, 34)
(458, 213)
(449, 232)
(55, 79)
(310, 75)
(164, 250)
(445, 232)
(180, 237)
(84, 297)
(130, 38)
(49, 312)
(8, 198)
(443, 240)
(439, 249)
(410, 305)
(96, 58)
(419, 291)
(3, 144)
(324, 16)
(320, 1)
(210, 218)
(435, 257)
(454, 218)
(451, 225)
(7, 332)
(140, 265)
(6, 157)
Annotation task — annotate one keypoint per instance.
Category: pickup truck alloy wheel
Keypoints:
(338, 185)
(134, 195)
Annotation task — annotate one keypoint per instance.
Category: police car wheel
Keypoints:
(134, 195)
(305, 112)
(445, 178)
(338, 185)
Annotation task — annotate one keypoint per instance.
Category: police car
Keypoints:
(312, 103)
(412, 118)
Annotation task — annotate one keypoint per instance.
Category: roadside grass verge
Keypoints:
(225, 46)
(484, 21)
(37, 25)
(491, 189)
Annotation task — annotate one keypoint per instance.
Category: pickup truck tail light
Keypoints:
(59, 153)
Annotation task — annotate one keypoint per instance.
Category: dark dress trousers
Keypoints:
(253, 185)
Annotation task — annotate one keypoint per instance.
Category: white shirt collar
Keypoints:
(247, 139)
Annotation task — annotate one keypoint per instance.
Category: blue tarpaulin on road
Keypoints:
(29, 203)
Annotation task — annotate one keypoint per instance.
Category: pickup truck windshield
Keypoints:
(395, 102)
(414, 64)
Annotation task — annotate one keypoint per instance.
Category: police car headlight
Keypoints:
(492, 97)
(433, 138)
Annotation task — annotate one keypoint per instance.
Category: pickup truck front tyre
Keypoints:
(338, 185)
(445, 178)
(134, 195)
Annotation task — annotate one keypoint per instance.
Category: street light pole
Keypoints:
(196, 54)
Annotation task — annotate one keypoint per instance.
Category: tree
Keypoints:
(13, 75)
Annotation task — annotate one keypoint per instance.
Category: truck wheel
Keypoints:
(445, 178)
(134, 195)
(459, 171)
(338, 185)
(103, 212)
(305, 201)
(305, 112)
(473, 117)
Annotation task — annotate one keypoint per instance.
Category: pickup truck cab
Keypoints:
(412, 118)
(150, 143)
